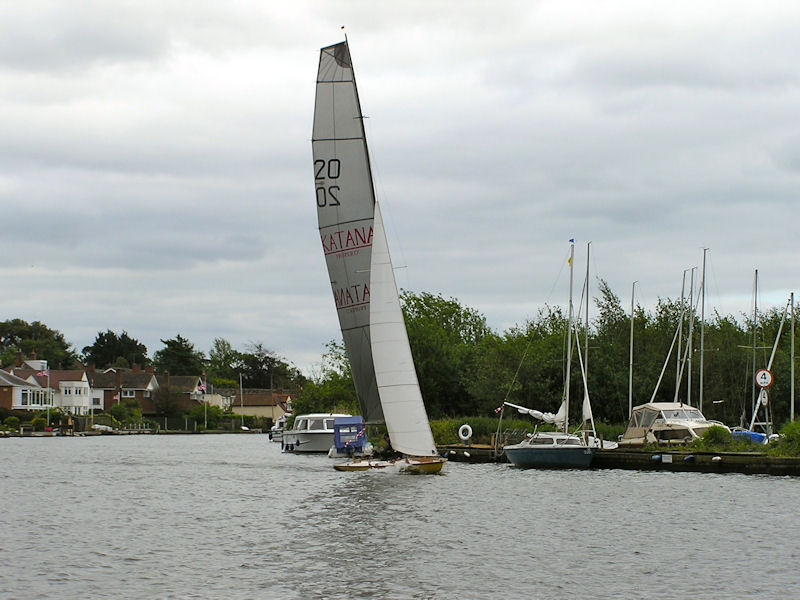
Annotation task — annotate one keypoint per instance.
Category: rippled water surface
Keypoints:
(229, 516)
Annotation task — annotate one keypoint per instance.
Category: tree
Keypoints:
(178, 357)
(223, 363)
(167, 401)
(48, 344)
(444, 338)
(332, 388)
(263, 368)
(109, 349)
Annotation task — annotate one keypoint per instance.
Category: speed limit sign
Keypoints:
(763, 378)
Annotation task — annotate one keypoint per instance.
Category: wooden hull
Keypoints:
(420, 465)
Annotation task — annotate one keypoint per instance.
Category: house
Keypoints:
(114, 385)
(259, 402)
(67, 389)
(17, 393)
(188, 390)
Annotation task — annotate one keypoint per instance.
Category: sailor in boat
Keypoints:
(387, 452)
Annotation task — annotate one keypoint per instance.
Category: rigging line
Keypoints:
(383, 197)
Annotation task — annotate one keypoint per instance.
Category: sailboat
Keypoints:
(560, 448)
(361, 273)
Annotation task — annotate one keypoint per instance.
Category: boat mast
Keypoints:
(791, 369)
(680, 338)
(689, 338)
(586, 333)
(755, 333)
(569, 337)
(630, 361)
(702, 325)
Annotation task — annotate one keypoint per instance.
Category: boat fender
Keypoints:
(716, 458)
(464, 432)
(689, 459)
(656, 458)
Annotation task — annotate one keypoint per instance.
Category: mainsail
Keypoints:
(345, 209)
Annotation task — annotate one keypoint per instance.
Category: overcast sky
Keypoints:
(156, 173)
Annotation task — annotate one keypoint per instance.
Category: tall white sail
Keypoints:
(403, 408)
(345, 206)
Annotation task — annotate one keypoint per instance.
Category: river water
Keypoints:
(229, 516)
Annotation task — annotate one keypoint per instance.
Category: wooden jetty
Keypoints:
(668, 459)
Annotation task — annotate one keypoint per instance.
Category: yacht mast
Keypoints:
(630, 361)
(569, 337)
(702, 325)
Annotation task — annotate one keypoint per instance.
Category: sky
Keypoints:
(156, 172)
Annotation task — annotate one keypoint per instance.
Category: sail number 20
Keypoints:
(326, 195)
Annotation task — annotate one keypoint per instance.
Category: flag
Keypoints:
(201, 387)
(42, 373)
(116, 397)
(498, 409)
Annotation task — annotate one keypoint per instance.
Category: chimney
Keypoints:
(148, 369)
(137, 368)
(90, 367)
(19, 360)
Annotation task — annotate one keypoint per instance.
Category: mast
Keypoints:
(569, 337)
(630, 361)
(680, 338)
(791, 369)
(755, 333)
(586, 333)
(702, 325)
(689, 340)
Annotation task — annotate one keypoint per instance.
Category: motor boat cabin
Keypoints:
(665, 423)
(310, 433)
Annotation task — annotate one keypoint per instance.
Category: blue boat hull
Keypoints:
(563, 457)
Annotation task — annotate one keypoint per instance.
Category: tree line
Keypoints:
(467, 369)
(259, 366)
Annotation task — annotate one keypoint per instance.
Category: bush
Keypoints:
(12, 422)
(716, 435)
(39, 423)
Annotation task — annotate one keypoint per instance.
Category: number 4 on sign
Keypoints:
(763, 378)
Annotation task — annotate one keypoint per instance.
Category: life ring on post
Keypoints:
(464, 432)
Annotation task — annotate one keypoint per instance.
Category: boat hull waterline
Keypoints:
(574, 457)
(422, 465)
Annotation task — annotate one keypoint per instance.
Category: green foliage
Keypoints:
(789, 442)
(39, 423)
(110, 349)
(444, 338)
(223, 364)
(263, 368)
(48, 344)
(330, 390)
(126, 411)
(211, 414)
(12, 422)
(119, 411)
(178, 357)
(167, 401)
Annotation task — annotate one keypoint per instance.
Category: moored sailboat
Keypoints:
(560, 449)
(361, 273)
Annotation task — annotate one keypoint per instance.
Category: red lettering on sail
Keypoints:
(352, 296)
(348, 242)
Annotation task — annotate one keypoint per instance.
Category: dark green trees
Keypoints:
(110, 349)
